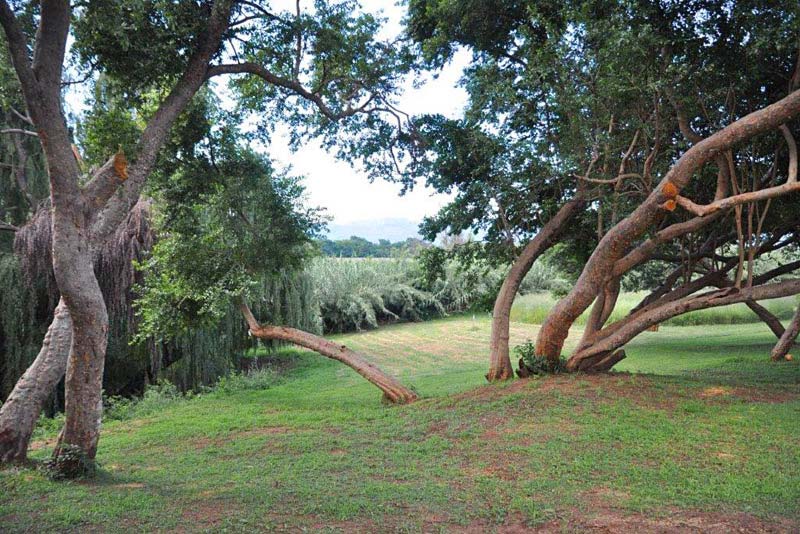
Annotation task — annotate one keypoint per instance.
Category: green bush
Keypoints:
(156, 397)
(249, 380)
(538, 365)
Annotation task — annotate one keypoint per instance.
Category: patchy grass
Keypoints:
(705, 440)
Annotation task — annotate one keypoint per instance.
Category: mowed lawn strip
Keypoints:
(707, 437)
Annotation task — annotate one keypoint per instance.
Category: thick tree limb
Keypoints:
(106, 181)
(393, 390)
(157, 130)
(19, 413)
(787, 340)
(499, 359)
(645, 250)
(767, 317)
(790, 186)
(616, 241)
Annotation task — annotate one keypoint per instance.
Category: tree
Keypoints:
(328, 62)
(615, 93)
(497, 158)
(706, 75)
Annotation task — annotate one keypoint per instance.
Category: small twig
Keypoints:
(5, 227)
(19, 131)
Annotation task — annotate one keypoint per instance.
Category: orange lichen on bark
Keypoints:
(670, 190)
(670, 205)
(121, 165)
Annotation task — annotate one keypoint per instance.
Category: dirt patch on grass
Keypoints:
(639, 389)
(43, 444)
(619, 522)
(204, 515)
(765, 395)
(611, 521)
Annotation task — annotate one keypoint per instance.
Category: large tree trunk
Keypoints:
(618, 240)
(787, 340)
(19, 413)
(500, 361)
(393, 391)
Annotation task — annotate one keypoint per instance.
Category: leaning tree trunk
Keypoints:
(787, 340)
(73, 268)
(500, 361)
(599, 269)
(22, 407)
(393, 391)
(767, 317)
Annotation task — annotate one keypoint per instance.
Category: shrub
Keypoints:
(250, 380)
(156, 397)
(538, 365)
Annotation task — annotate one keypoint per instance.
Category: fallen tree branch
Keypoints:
(393, 391)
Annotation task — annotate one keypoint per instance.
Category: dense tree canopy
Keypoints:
(606, 97)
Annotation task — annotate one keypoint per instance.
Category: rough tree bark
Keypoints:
(767, 317)
(499, 361)
(617, 241)
(393, 391)
(19, 413)
(787, 340)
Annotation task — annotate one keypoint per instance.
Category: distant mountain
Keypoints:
(373, 230)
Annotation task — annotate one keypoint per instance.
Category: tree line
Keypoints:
(358, 247)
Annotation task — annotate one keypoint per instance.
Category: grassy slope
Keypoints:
(711, 433)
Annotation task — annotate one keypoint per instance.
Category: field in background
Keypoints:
(706, 441)
(534, 307)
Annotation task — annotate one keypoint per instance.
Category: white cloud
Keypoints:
(345, 191)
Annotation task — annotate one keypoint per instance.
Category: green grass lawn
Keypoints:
(705, 438)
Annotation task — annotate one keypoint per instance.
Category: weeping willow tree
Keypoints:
(191, 359)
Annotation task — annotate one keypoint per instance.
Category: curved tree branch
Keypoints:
(393, 390)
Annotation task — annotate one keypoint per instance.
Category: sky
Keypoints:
(350, 199)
